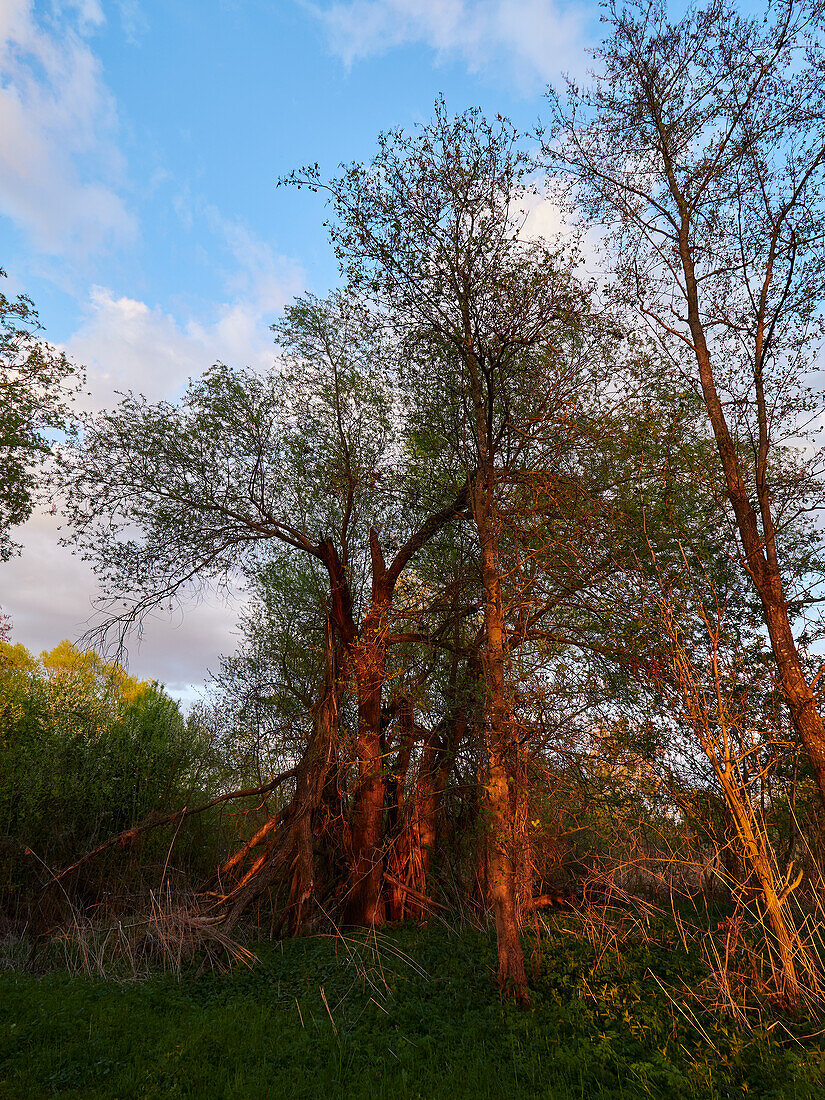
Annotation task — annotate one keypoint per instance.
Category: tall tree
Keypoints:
(165, 498)
(432, 228)
(701, 147)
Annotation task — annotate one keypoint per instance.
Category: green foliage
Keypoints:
(36, 388)
(409, 1013)
(85, 752)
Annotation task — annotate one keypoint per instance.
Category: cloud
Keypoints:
(59, 162)
(134, 21)
(536, 39)
(127, 344)
(124, 344)
(49, 594)
(547, 218)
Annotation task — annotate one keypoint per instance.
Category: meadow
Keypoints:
(405, 1012)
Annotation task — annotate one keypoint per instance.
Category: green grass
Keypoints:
(411, 1013)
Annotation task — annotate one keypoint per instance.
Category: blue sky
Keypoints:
(141, 142)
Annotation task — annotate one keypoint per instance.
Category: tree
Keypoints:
(86, 751)
(432, 229)
(165, 498)
(37, 386)
(701, 148)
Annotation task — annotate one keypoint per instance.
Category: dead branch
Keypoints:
(155, 821)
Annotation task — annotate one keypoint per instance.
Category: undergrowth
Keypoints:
(401, 1013)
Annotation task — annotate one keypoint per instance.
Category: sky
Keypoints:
(141, 145)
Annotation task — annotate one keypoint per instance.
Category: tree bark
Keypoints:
(759, 547)
(398, 829)
(365, 904)
(496, 794)
(368, 654)
(292, 844)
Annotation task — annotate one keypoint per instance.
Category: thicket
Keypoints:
(87, 751)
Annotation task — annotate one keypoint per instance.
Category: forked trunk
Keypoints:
(368, 653)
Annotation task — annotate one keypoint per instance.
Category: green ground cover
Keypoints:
(408, 1013)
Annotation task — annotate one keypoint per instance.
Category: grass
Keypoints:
(407, 1013)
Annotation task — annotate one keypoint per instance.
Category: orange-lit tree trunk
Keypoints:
(365, 903)
(414, 818)
(398, 828)
(423, 815)
(496, 792)
(760, 548)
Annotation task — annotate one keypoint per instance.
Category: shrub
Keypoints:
(87, 751)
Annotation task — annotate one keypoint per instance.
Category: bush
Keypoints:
(87, 751)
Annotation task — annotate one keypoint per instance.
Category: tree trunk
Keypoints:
(416, 840)
(759, 547)
(365, 905)
(397, 827)
(756, 848)
(432, 779)
(496, 795)
(289, 836)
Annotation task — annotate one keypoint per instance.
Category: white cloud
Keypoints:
(536, 39)
(59, 163)
(49, 594)
(126, 344)
(547, 218)
(133, 20)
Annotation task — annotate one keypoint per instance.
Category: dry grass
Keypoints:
(171, 936)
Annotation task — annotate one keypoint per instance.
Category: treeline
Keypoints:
(532, 558)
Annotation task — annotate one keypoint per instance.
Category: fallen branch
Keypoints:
(155, 820)
(413, 893)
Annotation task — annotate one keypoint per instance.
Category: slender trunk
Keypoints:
(757, 852)
(496, 794)
(396, 825)
(435, 768)
(417, 839)
(759, 548)
(438, 752)
(398, 780)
